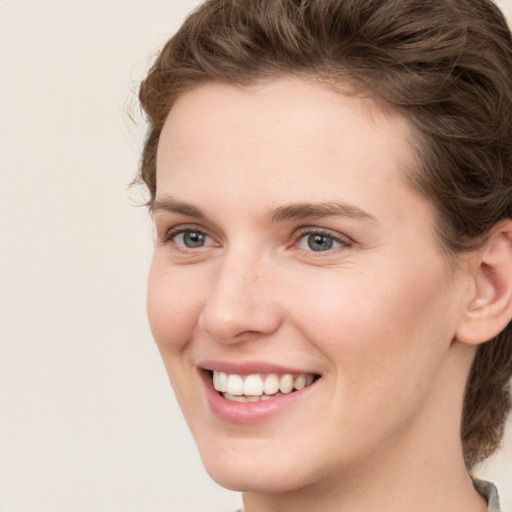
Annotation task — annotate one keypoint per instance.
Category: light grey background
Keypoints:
(87, 419)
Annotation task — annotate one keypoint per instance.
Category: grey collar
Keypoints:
(490, 493)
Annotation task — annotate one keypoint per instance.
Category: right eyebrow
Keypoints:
(173, 206)
(302, 211)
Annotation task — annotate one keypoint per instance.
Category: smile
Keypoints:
(258, 387)
(254, 392)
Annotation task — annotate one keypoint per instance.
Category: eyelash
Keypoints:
(301, 233)
(307, 231)
(172, 233)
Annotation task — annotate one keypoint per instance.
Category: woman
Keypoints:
(331, 288)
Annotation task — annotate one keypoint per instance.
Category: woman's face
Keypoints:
(291, 249)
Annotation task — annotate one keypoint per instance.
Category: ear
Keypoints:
(489, 308)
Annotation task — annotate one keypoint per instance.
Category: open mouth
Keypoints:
(259, 387)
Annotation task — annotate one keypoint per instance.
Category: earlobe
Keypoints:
(489, 308)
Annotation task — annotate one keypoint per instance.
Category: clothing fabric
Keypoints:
(485, 489)
(490, 493)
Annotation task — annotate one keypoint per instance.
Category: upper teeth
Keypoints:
(257, 385)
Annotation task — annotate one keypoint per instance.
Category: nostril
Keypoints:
(238, 310)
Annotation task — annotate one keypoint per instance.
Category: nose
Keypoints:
(241, 302)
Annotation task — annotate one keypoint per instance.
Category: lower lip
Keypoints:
(249, 412)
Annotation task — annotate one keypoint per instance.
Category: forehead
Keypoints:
(286, 98)
(286, 132)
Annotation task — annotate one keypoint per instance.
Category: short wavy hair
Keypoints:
(445, 65)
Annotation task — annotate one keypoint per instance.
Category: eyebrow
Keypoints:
(300, 211)
(295, 211)
(173, 206)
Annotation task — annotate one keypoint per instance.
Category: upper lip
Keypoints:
(249, 367)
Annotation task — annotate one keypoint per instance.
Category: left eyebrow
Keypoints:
(300, 211)
(171, 205)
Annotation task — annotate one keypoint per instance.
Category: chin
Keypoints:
(257, 479)
(256, 472)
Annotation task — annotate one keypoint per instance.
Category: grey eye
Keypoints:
(319, 242)
(192, 239)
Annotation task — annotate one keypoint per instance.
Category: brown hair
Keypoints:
(446, 65)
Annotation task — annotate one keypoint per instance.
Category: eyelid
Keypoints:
(172, 232)
(344, 240)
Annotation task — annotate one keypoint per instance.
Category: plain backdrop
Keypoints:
(88, 422)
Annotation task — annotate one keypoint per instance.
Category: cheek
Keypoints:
(174, 305)
(378, 331)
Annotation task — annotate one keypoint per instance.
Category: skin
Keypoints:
(376, 315)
